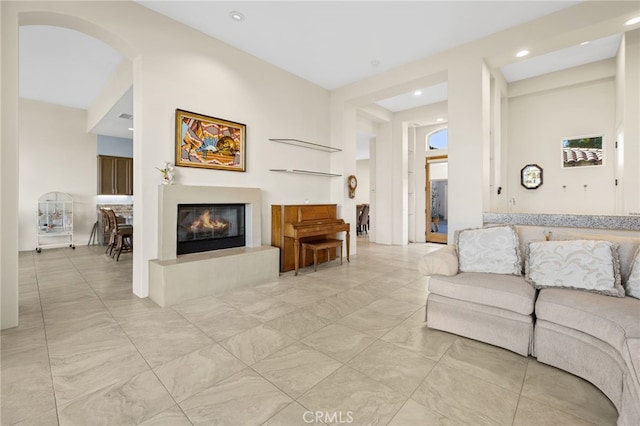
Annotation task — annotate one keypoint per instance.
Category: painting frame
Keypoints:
(577, 152)
(208, 142)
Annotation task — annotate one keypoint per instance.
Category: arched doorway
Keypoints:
(15, 15)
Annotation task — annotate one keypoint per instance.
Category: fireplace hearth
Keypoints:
(206, 227)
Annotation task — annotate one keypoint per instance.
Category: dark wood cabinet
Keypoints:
(115, 175)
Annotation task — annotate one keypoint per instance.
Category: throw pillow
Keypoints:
(633, 282)
(627, 247)
(579, 264)
(493, 250)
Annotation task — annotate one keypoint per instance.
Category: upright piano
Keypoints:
(291, 224)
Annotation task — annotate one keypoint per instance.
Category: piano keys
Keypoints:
(291, 224)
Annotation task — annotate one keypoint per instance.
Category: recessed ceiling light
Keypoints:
(633, 21)
(236, 16)
(130, 128)
(417, 93)
(584, 43)
(522, 54)
(440, 120)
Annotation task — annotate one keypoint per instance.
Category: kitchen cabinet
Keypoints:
(115, 175)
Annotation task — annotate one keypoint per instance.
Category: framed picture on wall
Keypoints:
(209, 142)
(582, 151)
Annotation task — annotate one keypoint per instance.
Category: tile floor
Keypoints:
(348, 342)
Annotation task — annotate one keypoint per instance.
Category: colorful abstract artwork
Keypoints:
(209, 142)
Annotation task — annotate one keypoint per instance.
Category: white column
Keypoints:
(468, 143)
(9, 167)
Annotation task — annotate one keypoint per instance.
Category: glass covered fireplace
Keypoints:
(205, 227)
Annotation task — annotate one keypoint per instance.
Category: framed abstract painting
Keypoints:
(209, 142)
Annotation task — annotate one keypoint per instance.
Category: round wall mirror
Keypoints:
(531, 176)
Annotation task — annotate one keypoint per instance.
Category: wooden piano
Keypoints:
(291, 224)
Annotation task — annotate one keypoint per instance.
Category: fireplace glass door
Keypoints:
(205, 227)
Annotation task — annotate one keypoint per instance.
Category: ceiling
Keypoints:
(330, 44)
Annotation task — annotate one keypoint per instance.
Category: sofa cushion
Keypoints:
(497, 290)
(494, 249)
(627, 247)
(580, 264)
(443, 261)
(609, 319)
(633, 282)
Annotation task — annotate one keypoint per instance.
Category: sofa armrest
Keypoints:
(443, 261)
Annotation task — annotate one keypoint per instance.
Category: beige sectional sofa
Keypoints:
(590, 335)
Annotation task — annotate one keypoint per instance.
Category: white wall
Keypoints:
(56, 155)
(117, 147)
(362, 173)
(537, 123)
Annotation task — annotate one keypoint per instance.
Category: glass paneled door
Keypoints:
(437, 170)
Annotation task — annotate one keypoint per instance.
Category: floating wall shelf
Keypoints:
(305, 172)
(305, 144)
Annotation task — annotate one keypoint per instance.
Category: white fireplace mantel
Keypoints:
(171, 195)
(174, 279)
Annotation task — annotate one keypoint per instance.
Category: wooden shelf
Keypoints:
(305, 172)
(305, 144)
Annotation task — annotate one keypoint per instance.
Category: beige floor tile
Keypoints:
(223, 325)
(400, 369)
(274, 288)
(339, 342)
(532, 413)
(410, 295)
(26, 388)
(568, 393)
(495, 365)
(201, 309)
(90, 367)
(294, 414)
(349, 394)
(164, 335)
(131, 401)
(419, 338)
(296, 368)
(413, 413)
(172, 417)
(298, 324)
(194, 372)
(300, 297)
(256, 343)
(371, 322)
(269, 308)
(466, 399)
(393, 307)
(242, 298)
(243, 399)
(48, 418)
(342, 304)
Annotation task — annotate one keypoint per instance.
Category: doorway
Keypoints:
(436, 172)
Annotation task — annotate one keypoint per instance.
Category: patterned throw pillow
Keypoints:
(633, 282)
(579, 264)
(493, 249)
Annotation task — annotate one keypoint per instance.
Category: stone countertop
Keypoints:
(624, 223)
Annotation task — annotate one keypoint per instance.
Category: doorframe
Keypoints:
(432, 237)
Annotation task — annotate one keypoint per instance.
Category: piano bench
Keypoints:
(326, 244)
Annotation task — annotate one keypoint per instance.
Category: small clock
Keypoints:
(531, 176)
(353, 184)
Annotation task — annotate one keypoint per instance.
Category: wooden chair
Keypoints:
(363, 222)
(121, 236)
